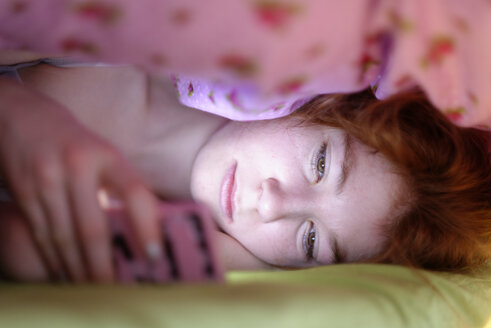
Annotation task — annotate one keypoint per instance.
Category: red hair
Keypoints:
(446, 219)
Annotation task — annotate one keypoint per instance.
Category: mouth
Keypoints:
(227, 192)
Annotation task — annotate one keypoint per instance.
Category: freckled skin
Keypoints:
(277, 196)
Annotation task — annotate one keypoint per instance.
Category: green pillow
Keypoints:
(348, 295)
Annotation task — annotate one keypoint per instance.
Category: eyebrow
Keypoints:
(347, 164)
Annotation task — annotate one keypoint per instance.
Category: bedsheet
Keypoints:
(261, 59)
(348, 295)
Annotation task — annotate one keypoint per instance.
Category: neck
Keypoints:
(170, 141)
(138, 114)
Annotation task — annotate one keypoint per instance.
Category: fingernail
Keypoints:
(154, 251)
(106, 201)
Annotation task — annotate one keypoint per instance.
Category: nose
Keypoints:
(275, 202)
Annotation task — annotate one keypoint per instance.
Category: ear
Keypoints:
(235, 257)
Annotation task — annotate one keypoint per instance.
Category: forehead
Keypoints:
(284, 130)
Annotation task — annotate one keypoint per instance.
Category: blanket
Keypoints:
(262, 59)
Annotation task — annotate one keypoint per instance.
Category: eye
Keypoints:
(309, 241)
(319, 163)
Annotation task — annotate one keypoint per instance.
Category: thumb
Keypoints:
(141, 207)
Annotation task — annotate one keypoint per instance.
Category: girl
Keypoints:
(343, 179)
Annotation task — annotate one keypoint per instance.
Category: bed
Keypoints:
(348, 295)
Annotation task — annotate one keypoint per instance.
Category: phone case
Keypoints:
(189, 248)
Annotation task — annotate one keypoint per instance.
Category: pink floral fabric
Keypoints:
(260, 59)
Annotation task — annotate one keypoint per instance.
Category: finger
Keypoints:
(141, 206)
(56, 208)
(29, 204)
(40, 232)
(91, 225)
(15, 235)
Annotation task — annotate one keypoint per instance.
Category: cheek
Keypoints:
(200, 183)
(274, 158)
(270, 244)
(205, 181)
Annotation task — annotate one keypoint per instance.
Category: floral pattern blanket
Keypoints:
(260, 59)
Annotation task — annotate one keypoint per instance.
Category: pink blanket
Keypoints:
(260, 59)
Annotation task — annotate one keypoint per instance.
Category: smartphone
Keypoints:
(190, 253)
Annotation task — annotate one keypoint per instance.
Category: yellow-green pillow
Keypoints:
(350, 295)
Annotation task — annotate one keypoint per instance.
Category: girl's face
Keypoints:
(294, 195)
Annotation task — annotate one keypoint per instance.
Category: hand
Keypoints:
(20, 259)
(55, 168)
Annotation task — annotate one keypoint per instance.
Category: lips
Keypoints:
(227, 192)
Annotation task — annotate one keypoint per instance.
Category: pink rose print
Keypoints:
(455, 114)
(472, 96)
(275, 14)
(72, 44)
(370, 54)
(99, 11)
(175, 82)
(316, 51)
(403, 82)
(211, 96)
(239, 64)
(461, 24)
(440, 47)
(400, 23)
(159, 60)
(233, 98)
(18, 7)
(277, 107)
(190, 89)
(181, 16)
(292, 85)
(366, 62)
